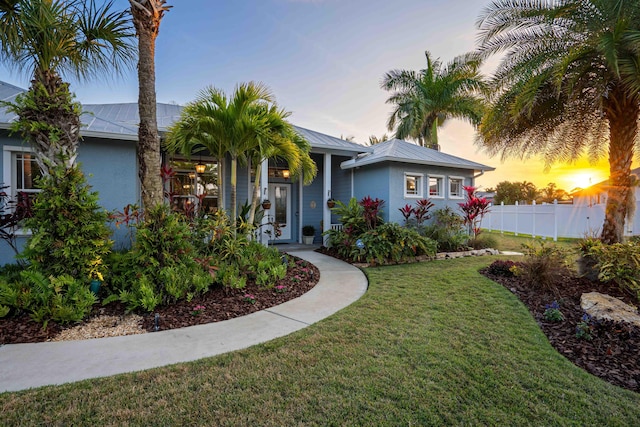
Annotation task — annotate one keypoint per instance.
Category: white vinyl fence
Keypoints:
(552, 220)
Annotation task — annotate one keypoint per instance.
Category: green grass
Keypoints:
(511, 242)
(433, 343)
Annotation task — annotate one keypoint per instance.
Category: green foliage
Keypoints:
(511, 192)
(69, 234)
(483, 241)
(389, 242)
(351, 216)
(447, 230)
(584, 328)
(552, 313)
(543, 264)
(62, 299)
(162, 265)
(619, 264)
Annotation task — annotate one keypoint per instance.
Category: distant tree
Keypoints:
(569, 83)
(511, 192)
(425, 99)
(349, 138)
(373, 140)
(147, 15)
(550, 193)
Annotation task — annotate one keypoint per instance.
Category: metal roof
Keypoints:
(322, 141)
(396, 150)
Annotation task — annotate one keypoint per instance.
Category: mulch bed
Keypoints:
(219, 304)
(612, 354)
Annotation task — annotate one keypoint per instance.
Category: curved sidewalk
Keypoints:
(24, 366)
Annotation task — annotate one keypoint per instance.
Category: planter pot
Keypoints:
(95, 286)
(307, 240)
(331, 203)
(266, 205)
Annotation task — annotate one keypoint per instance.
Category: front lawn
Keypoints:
(432, 343)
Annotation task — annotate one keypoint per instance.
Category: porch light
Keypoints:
(201, 167)
(286, 173)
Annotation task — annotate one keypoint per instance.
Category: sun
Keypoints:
(586, 178)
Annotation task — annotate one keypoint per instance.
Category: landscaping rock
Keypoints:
(601, 306)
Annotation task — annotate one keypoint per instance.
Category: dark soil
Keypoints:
(219, 304)
(613, 352)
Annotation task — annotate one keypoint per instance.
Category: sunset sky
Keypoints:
(324, 60)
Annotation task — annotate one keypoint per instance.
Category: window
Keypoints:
(189, 190)
(436, 187)
(412, 185)
(21, 171)
(455, 187)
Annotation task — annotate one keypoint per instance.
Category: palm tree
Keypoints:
(147, 15)
(51, 38)
(425, 99)
(277, 139)
(222, 125)
(373, 140)
(569, 82)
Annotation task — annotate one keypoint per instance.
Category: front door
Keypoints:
(280, 212)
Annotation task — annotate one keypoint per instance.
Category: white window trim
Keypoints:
(442, 190)
(8, 170)
(461, 178)
(419, 185)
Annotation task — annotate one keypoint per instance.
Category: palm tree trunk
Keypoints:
(53, 106)
(622, 113)
(149, 160)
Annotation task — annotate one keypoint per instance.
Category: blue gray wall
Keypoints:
(111, 170)
(386, 181)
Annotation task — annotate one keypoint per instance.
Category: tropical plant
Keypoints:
(50, 38)
(147, 15)
(511, 192)
(240, 126)
(13, 212)
(68, 227)
(425, 99)
(473, 210)
(374, 140)
(569, 82)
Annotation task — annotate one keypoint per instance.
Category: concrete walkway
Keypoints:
(23, 366)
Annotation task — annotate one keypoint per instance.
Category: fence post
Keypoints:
(555, 220)
(516, 208)
(501, 217)
(533, 219)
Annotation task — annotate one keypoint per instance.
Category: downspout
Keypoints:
(473, 183)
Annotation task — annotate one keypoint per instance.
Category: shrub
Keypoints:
(501, 268)
(162, 266)
(69, 234)
(619, 264)
(62, 299)
(390, 242)
(543, 264)
(351, 216)
(483, 241)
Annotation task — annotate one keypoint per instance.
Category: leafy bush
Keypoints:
(619, 264)
(69, 234)
(62, 299)
(543, 264)
(162, 266)
(502, 268)
(351, 217)
(483, 241)
(388, 242)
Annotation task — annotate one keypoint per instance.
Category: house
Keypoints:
(597, 193)
(396, 171)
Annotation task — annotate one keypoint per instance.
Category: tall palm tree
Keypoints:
(374, 140)
(147, 15)
(51, 38)
(569, 83)
(277, 139)
(425, 99)
(223, 125)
